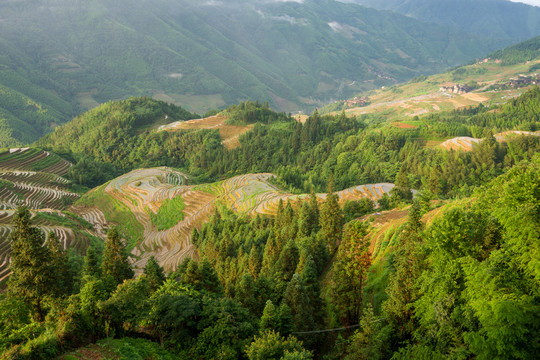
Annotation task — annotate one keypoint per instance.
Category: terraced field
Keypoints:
(144, 191)
(229, 133)
(32, 177)
(33, 159)
(465, 143)
(70, 233)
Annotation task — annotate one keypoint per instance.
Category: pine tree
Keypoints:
(331, 218)
(402, 290)
(270, 257)
(288, 261)
(270, 318)
(59, 262)
(349, 273)
(402, 188)
(311, 283)
(296, 297)
(115, 259)
(91, 265)
(32, 276)
(254, 262)
(155, 274)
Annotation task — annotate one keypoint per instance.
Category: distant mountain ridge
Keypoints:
(502, 19)
(68, 57)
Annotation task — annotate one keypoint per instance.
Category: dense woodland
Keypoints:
(464, 285)
(460, 281)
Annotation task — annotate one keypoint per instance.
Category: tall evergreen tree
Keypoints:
(349, 274)
(270, 318)
(402, 288)
(60, 265)
(155, 274)
(92, 266)
(32, 276)
(115, 258)
(331, 218)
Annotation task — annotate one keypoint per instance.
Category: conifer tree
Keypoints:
(59, 262)
(32, 276)
(314, 210)
(270, 256)
(296, 297)
(349, 273)
(254, 262)
(288, 261)
(115, 259)
(155, 274)
(402, 290)
(270, 318)
(402, 188)
(92, 266)
(331, 218)
(286, 324)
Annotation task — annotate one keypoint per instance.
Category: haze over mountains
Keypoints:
(494, 18)
(59, 59)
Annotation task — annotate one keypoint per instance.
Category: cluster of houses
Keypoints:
(519, 82)
(357, 101)
(457, 89)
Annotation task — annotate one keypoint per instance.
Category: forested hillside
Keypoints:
(61, 59)
(304, 155)
(326, 236)
(457, 282)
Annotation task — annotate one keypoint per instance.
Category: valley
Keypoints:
(400, 222)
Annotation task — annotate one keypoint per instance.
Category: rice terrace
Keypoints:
(130, 201)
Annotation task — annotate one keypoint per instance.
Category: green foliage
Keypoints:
(154, 273)
(136, 349)
(115, 258)
(169, 214)
(127, 306)
(349, 273)
(520, 53)
(331, 220)
(33, 277)
(271, 346)
(353, 209)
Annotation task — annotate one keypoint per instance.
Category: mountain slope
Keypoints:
(136, 200)
(502, 75)
(497, 18)
(67, 57)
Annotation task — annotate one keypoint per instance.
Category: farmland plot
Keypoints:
(145, 191)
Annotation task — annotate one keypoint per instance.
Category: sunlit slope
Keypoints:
(416, 98)
(132, 200)
(229, 134)
(465, 143)
(494, 79)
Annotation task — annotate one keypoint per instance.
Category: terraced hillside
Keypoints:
(131, 200)
(32, 177)
(229, 133)
(465, 143)
(33, 159)
(72, 231)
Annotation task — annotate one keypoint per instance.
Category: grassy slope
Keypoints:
(403, 102)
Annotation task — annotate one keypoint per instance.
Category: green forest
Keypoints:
(463, 285)
(456, 279)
